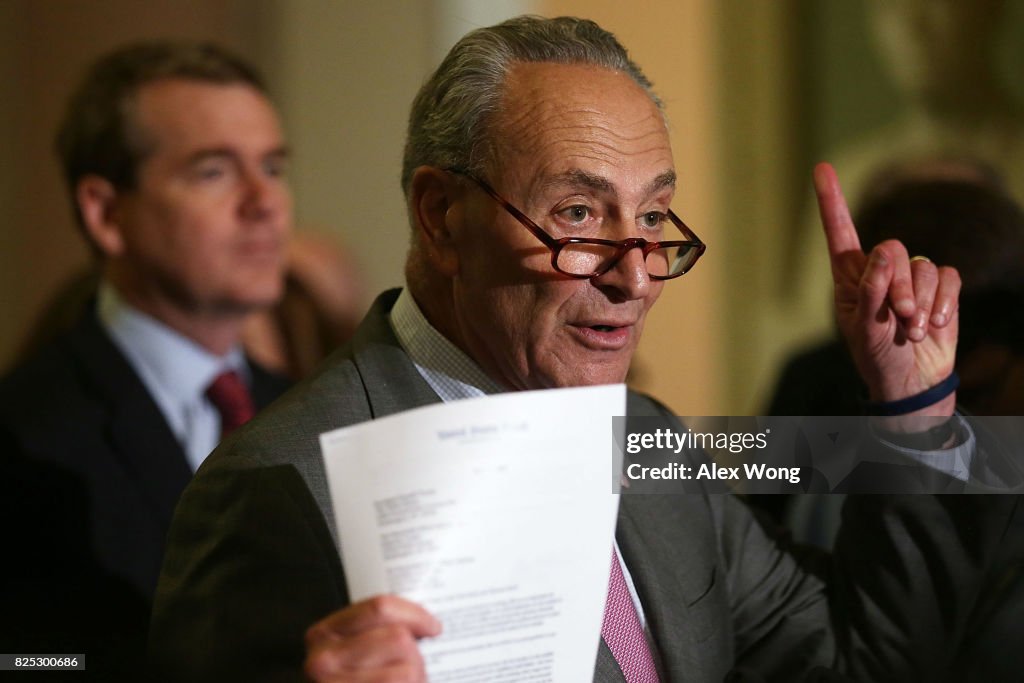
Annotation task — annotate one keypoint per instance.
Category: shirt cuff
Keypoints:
(954, 461)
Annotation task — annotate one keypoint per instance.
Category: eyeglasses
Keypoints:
(584, 257)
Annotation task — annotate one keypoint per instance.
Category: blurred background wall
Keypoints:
(756, 92)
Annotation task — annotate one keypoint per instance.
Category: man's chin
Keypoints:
(243, 306)
(590, 379)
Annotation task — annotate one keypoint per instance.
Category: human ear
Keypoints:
(97, 199)
(436, 215)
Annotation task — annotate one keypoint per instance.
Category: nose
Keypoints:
(264, 196)
(627, 279)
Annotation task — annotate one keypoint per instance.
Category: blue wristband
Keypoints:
(914, 403)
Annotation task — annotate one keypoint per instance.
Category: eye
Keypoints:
(275, 167)
(210, 171)
(576, 213)
(652, 219)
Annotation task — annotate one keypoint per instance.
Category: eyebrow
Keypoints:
(666, 179)
(578, 177)
(591, 181)
(228, 153)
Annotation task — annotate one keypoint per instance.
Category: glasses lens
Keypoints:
(669, 261)
(585, 259)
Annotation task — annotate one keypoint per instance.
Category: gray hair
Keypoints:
(448, 124)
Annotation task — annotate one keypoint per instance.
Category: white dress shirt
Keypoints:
(454, 376)
(174, 369)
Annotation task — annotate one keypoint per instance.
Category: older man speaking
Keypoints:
(539, 181)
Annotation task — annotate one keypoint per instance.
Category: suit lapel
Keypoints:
(391, 380)
(607, 670)
(662, 541)
(139, 436)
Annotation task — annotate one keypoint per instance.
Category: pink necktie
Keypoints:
(230, 396)
(622, 632)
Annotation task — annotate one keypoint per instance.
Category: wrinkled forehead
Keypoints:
(553, 117)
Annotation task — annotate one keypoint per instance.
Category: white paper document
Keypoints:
(496, 514)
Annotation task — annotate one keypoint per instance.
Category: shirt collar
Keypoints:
(173, 366)
(450, 373)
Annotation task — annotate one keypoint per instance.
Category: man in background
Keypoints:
(175, 163)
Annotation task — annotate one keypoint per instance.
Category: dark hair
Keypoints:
(448, 124)
(97, 134)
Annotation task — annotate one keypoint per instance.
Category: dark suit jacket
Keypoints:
(90, 474)
(252, 558)
(820, 380)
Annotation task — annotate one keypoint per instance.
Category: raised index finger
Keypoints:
(835, 215)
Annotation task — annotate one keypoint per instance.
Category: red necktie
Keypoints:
(230, 396)
(623, 633)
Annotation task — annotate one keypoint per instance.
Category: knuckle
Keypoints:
(874, 285)
(316, 633)
(407, 646)
(949, 275)
(332, 627)
(409, 672)
(319, 664)
(381, 607)
(398, 636)
(892, 248)
(925, 285)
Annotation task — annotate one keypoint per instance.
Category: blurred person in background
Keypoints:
(323, 300)
(175, 161)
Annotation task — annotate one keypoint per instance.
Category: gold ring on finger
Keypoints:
(920, 258)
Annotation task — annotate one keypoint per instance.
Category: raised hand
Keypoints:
(898, 314)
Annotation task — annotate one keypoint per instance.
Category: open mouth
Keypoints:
(604, 337)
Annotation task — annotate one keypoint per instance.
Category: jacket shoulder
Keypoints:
(50, 384)
(642, 405)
